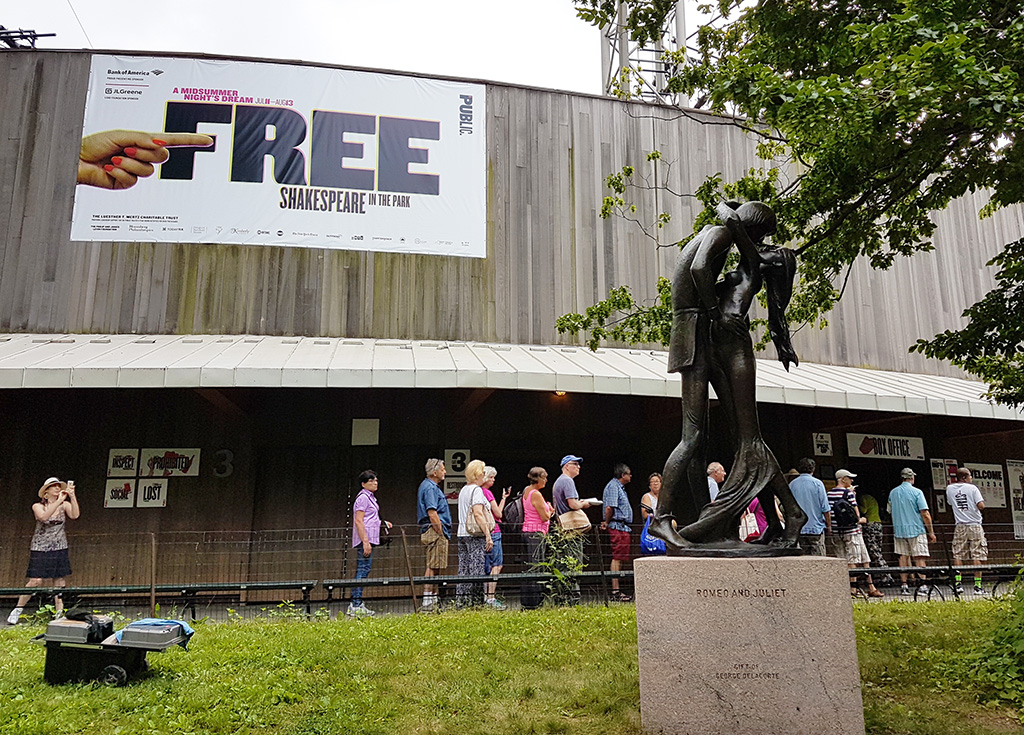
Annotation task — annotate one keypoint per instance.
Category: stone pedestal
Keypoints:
(747, 646)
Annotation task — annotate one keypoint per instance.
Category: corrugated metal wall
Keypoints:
(548, 251)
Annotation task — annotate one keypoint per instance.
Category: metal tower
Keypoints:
(639, 72)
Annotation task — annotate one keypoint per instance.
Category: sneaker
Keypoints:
(905, 591)
(958, 588)
(923, 589)
(978, 589)
(620, 596)
(359, 611)
(496, 604)
(12, 619)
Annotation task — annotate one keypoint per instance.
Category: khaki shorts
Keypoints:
(853, 549)
(437, 549)
(917, 546)
(969, 542)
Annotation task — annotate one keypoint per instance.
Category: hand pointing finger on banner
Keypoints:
(117, 159)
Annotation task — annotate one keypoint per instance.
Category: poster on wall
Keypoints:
(943, 472)
(455, 462)
(822, 444)
(1015, 482)
(169, 463)
(253, 153)
(881, 446)
(119, 493)
(123, 463)
(152, 493)
(989, 479)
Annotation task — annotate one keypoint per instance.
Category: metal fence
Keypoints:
(253, 573)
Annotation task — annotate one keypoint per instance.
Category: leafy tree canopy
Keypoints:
(888, 110)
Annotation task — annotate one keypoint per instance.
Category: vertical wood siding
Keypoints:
(548, 251)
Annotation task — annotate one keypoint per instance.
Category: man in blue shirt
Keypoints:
(435, 520)
(810, 495)
(618, 514)
(910, 518)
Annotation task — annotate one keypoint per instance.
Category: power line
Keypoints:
(84, 33)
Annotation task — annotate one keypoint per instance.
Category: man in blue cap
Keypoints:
(567, 498)
(565, 495)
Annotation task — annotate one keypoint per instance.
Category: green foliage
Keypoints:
(462, 672)
(621, 318)
(996, 667)
(564, 561)
(878, 112)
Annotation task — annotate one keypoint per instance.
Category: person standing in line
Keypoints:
(537, 514)
(810, 495)
(618, 514)
(911, 526)
(435, 522)
(848, 537)
(966, 500)
(366, 524)
(473, 549)
(716, 476)
(567, 498)
(649, 502)
(48, 551)
(873, 533)
(651, 545)
(495, 559)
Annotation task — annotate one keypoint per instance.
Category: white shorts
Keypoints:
(916, 546)
(852, 545)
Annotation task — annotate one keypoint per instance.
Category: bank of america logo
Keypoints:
(158, 72)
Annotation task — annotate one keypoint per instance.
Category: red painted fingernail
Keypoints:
(117, 160)
(131, 151)
(159, 142)
(108, 167)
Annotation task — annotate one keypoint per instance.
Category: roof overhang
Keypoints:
(224, 361)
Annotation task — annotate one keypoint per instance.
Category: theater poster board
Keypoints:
(1015, 482)
(282, 155)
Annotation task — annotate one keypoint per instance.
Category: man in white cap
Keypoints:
(911, 525)
(847, 523)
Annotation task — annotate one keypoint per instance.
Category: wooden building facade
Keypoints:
(548, 253)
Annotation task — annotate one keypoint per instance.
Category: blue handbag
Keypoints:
(649, 545)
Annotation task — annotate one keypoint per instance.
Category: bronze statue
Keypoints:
(711, 345)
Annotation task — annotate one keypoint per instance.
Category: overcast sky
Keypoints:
(532, 42)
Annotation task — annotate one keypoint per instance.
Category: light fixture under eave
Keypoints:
(559, 392)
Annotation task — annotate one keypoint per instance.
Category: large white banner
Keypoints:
(279, 154)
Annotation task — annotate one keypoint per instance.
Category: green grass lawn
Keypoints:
(570, 670)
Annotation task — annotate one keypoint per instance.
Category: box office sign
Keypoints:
(881, 446)
(989, 479)
(169, 463)
(283, 155)
(152, 493)
(120, 493)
